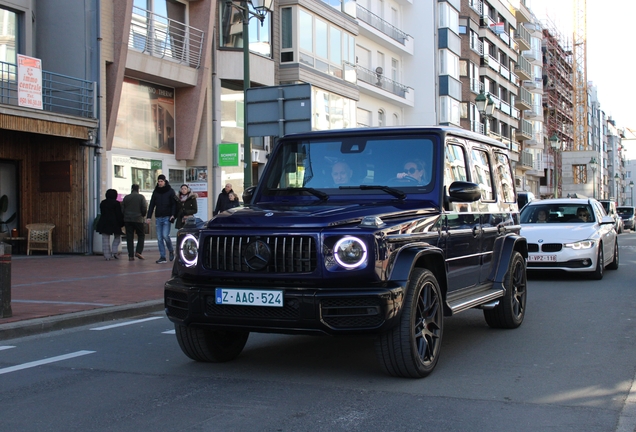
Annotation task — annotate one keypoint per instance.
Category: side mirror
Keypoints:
(606, 220)
(461, 191)
(248, 194)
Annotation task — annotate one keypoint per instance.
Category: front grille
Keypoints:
(551, 247)
(176, 304)
(289, 311)
(358, 312)
(289, 254)
(548, 247)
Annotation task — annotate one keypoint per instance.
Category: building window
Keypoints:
(231, 32)
(381, 119)
(448, 17)
(449, 110)
(579, 173)
(321, 45)
(8, 36)
(332, 111)
(346, 6)
(448, 63)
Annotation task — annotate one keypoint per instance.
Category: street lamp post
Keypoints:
(616, 193)
(593, 165)
(486, 107)
(631, 186)
(555, 143)
(259, 9)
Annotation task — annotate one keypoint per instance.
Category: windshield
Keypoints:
(349, 165)
(625, 211)
(606, 206)
(557, 213)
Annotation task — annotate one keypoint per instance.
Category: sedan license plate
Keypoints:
(249, 297)
(542, 258)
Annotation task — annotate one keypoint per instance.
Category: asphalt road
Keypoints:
(569, 367)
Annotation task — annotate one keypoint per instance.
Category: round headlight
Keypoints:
(350, 252)
(189, 250)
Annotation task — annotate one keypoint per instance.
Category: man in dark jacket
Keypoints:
(164, 205)
(227, 199)
(135, 209)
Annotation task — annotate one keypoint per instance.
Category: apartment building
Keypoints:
(48, 117)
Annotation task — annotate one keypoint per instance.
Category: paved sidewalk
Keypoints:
(61, 291)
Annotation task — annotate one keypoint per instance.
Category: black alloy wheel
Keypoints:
(511, 310)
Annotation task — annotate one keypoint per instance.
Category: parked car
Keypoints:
(360, 231)
(570, 234)
(627, 216)
(610, 209)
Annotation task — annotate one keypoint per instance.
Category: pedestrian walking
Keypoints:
(111, 220)
(135, 208)
(186, 205)
(227, 199)
(163, 204)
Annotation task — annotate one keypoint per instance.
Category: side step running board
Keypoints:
(474, 300)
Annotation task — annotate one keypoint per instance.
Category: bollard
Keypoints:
(5, 280)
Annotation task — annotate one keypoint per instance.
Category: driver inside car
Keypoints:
(413, 170)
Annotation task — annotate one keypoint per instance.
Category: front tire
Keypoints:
(600, 264)
(511, 310)
(412, 348)
(614, 264)
(214, 346)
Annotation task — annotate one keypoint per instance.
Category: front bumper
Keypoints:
(325, 310)
(568, 260)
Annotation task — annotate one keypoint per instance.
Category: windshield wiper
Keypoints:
(320, 194)
(392, 191)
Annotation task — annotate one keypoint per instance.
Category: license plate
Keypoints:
(542, 258)
(249, 297)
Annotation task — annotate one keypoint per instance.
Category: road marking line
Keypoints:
(43, 362)
(627, 417)
(5, 347)
(126, 323)
(169, 332)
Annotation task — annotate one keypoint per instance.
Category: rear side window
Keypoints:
(455, 164)
(482, 174)
(505, 176)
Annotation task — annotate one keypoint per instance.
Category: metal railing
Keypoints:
(378, 23)
(163, 37)
(381, 81)
(61, 94)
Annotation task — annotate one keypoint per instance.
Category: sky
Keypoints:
(611, 61)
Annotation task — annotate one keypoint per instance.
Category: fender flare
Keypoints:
(431, 257)
(510, 244)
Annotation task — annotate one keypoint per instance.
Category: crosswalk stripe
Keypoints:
(43, 362)
(126, 323)
(6, 347)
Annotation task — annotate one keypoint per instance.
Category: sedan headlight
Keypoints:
(585, 244)
(350, 252)
(189, 250)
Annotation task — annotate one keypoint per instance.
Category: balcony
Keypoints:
(61, 94)
(524, 100)
(165, 38)
(378, 80)
(526, 161)
(533, 114)
(523, 68)
(522, 36)
(397, 36)
(526, 129)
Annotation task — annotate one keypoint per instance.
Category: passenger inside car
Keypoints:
(582, 215)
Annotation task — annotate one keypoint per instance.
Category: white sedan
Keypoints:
(569, 234)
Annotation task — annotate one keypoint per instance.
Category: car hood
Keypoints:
(318, 215)
(558, 233)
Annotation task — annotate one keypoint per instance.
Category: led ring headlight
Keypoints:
(350, 252)
(189, 250)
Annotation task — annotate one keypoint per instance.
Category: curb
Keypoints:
(75, 319)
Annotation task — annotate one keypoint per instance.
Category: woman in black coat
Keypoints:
(111, 220)
(186, 205)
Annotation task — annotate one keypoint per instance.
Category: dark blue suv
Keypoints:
(379, 230)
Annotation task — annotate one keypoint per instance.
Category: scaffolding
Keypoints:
(557, 96)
